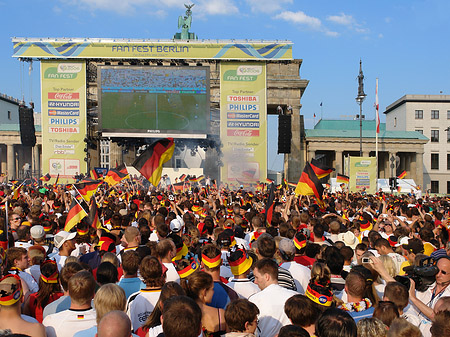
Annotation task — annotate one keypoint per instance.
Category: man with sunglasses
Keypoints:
(424, 302)
(14, 223)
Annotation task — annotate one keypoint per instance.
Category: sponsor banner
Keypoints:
(237, 115)
(363, 174)
(242, 131)
(109, 48)
(63, 86)
(55, 112)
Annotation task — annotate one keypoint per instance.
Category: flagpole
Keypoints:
(377, 118)
(77, 200)
(7, 222)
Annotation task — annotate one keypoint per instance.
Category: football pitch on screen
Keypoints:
(150, 111)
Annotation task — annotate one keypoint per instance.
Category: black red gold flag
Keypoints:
(309, 184)
(87, 188)
(270, 204)
(321, 170)
(150, 162)
(75, 215)
(93, 217)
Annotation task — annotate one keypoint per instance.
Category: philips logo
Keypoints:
(249, 70)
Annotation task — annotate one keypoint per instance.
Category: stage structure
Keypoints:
(211, 93)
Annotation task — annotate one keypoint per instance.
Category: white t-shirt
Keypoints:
(270, 303)
(140, 305)
(243, 287)
(172, 274)
(66, 323)
(300, 273)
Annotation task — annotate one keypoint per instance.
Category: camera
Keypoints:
(424, 275)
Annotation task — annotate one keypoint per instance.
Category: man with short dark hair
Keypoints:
(357, 305)
(130, 282)
(166, 251)
(383, 247)
(271, 299)
(242, 318)
(398, 294)
(181, 316)
(81, 315)
(303, 312)
(335, 322)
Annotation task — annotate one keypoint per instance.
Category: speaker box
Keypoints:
(27, 131)
(284, 134)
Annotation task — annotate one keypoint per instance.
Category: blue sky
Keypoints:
(402, 42)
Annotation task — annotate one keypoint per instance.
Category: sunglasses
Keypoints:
(14, 219)
(443, 272)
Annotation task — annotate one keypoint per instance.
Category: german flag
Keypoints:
(16, 192)
(87, 188)
(178, 187)
(182, 177)
(150, 162)
(93, 218)
(309, 183)
(269, 181)
(402, 175)
(320, 169)
(75, 215)
(94, 175)
(340, 178)
(115, 176)
(270, 204)
(56, 181)
(45, 178)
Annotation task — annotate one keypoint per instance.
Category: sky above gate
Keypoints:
(404, 43)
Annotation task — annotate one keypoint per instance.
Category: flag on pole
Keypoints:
(321, 170)
(94, 175)
(340, 178)
(45, 178)
(75, 215)
(116, 175)
(93, 218)
(150, 162)
(377, 107)
(402, 175)
(88, 188)
(270, 204)
(16, 192)
(309, 184)
(56, 181)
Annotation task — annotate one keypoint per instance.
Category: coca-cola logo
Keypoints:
(242, 133)
(63, 95)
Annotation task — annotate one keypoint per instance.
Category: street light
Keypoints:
(360, 99)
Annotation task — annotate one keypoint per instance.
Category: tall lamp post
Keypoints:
(360, 99)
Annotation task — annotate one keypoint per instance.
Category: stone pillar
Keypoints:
(339, 167)
(36, 161)
(3, 153)
(413, 166)
(295, 159)
(11, 162)
(391, 153)
(419, 169)
(366, 153)
(311, 155)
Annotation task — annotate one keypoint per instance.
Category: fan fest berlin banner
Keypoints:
(63, 94)
(363, 174)
(243, 118)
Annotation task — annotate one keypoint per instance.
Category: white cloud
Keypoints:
(217, 7)
(341, 19)
(267, 6)
(300, 18)
(348, 21)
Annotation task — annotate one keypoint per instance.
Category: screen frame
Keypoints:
(139, 133)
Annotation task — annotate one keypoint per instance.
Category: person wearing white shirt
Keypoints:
(80, 316)
(271, 299)
(300, 273)
(166, 251)
(240, 264)
(65, 242)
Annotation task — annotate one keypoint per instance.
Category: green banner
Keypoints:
(243, 118)
(109, 48)
(363, 174)
(63, 102)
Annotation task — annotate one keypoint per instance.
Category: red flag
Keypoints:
(150, 162)
(75, 215)
(93, 218)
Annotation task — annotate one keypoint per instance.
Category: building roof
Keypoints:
(350, 129)
(9, 99)
(16, 127)
(417, 99)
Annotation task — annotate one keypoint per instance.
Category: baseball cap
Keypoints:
(414, 246)
(37, 232)
(175, 225)
(62, 237)
(287, 246)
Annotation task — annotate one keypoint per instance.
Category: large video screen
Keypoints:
(157, 101)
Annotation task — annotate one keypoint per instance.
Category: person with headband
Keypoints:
(240, 264)
(11, 297)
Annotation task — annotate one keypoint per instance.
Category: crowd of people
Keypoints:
(210, 262)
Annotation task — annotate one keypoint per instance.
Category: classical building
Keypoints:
(334, 140)
(13, 155)
(430, 116)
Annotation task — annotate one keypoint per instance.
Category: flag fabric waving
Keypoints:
(93, 218)
(309, 183)
(116, 175)
(270, 204)
(75, 215)
(87, 188)
(340, 178)
(45, 178)
(150, 162)
(402, 175)
(377, 107)
(321, 170)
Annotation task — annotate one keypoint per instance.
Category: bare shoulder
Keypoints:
(33, 329)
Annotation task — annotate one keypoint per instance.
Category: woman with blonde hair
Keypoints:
(200, 287)
(371, 327)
